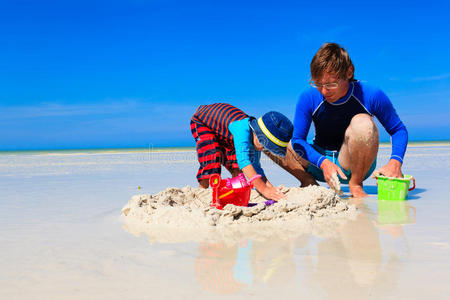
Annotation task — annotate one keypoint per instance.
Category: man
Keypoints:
(346, 137)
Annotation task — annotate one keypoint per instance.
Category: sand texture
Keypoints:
(182, 214)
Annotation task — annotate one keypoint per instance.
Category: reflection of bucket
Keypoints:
(390, 188)
(395, 212)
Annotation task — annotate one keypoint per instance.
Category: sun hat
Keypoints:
(274, 131)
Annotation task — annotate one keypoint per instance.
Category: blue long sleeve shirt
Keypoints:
(246, 154)
(332, 119)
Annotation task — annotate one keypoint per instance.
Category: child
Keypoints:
(226, 135)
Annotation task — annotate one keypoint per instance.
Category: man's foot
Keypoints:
(357, 191)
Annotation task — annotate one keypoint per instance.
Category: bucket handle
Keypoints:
(214, 180)
(414, 184)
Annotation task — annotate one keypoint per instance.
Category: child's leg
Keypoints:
(208, 152)
(231, 162)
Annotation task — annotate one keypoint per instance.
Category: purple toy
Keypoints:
(268, 202)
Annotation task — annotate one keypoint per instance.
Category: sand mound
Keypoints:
(184, 214)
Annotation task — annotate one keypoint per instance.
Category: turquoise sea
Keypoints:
(167, 149)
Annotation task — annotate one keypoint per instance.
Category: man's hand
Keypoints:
(392, 169)
(329, 170)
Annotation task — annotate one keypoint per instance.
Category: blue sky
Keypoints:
(80, 74)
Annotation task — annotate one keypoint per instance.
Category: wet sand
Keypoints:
(62, 236)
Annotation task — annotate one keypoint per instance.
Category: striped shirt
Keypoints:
(218, 117)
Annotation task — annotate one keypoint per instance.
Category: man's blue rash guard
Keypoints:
(246, 153)
(332, 119)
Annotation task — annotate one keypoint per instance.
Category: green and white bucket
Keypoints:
(391, 188)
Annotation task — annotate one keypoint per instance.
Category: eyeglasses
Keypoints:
(328, 86)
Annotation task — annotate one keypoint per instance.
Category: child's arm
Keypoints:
(265, 188)
(242, 138)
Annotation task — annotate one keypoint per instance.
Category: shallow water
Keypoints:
(61, 236)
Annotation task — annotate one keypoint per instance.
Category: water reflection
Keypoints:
(393, 214)
(226, 269)
(349, 264)
(356, 257)
(361, 263)
(273, 262)
(352, 262)
(214, 268)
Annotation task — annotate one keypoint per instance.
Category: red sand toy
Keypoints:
(234, 190)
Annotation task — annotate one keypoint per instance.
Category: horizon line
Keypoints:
(181, 147)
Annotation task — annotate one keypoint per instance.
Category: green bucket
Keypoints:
(391, 188)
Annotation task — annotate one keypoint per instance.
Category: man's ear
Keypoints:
(350, 72)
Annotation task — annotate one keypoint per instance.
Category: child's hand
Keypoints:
(273, 193)
(263, 186)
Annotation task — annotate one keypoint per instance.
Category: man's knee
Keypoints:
(362, 127)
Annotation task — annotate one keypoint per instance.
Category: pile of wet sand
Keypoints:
(183, 214)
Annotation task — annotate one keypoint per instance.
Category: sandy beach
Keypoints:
(63, 236)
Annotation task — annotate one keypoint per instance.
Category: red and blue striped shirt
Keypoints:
(218, 117)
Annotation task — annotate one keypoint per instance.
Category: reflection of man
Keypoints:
(346, 137)
(357, 258)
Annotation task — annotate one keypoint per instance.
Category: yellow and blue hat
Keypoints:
(274, 131)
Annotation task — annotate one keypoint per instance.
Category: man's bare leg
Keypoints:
(359, 151)
(295, 165)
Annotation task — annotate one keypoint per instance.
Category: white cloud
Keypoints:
(113, 107)
(431, 78)
(60, 110)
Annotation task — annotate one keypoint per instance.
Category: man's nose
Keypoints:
(324, 88)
